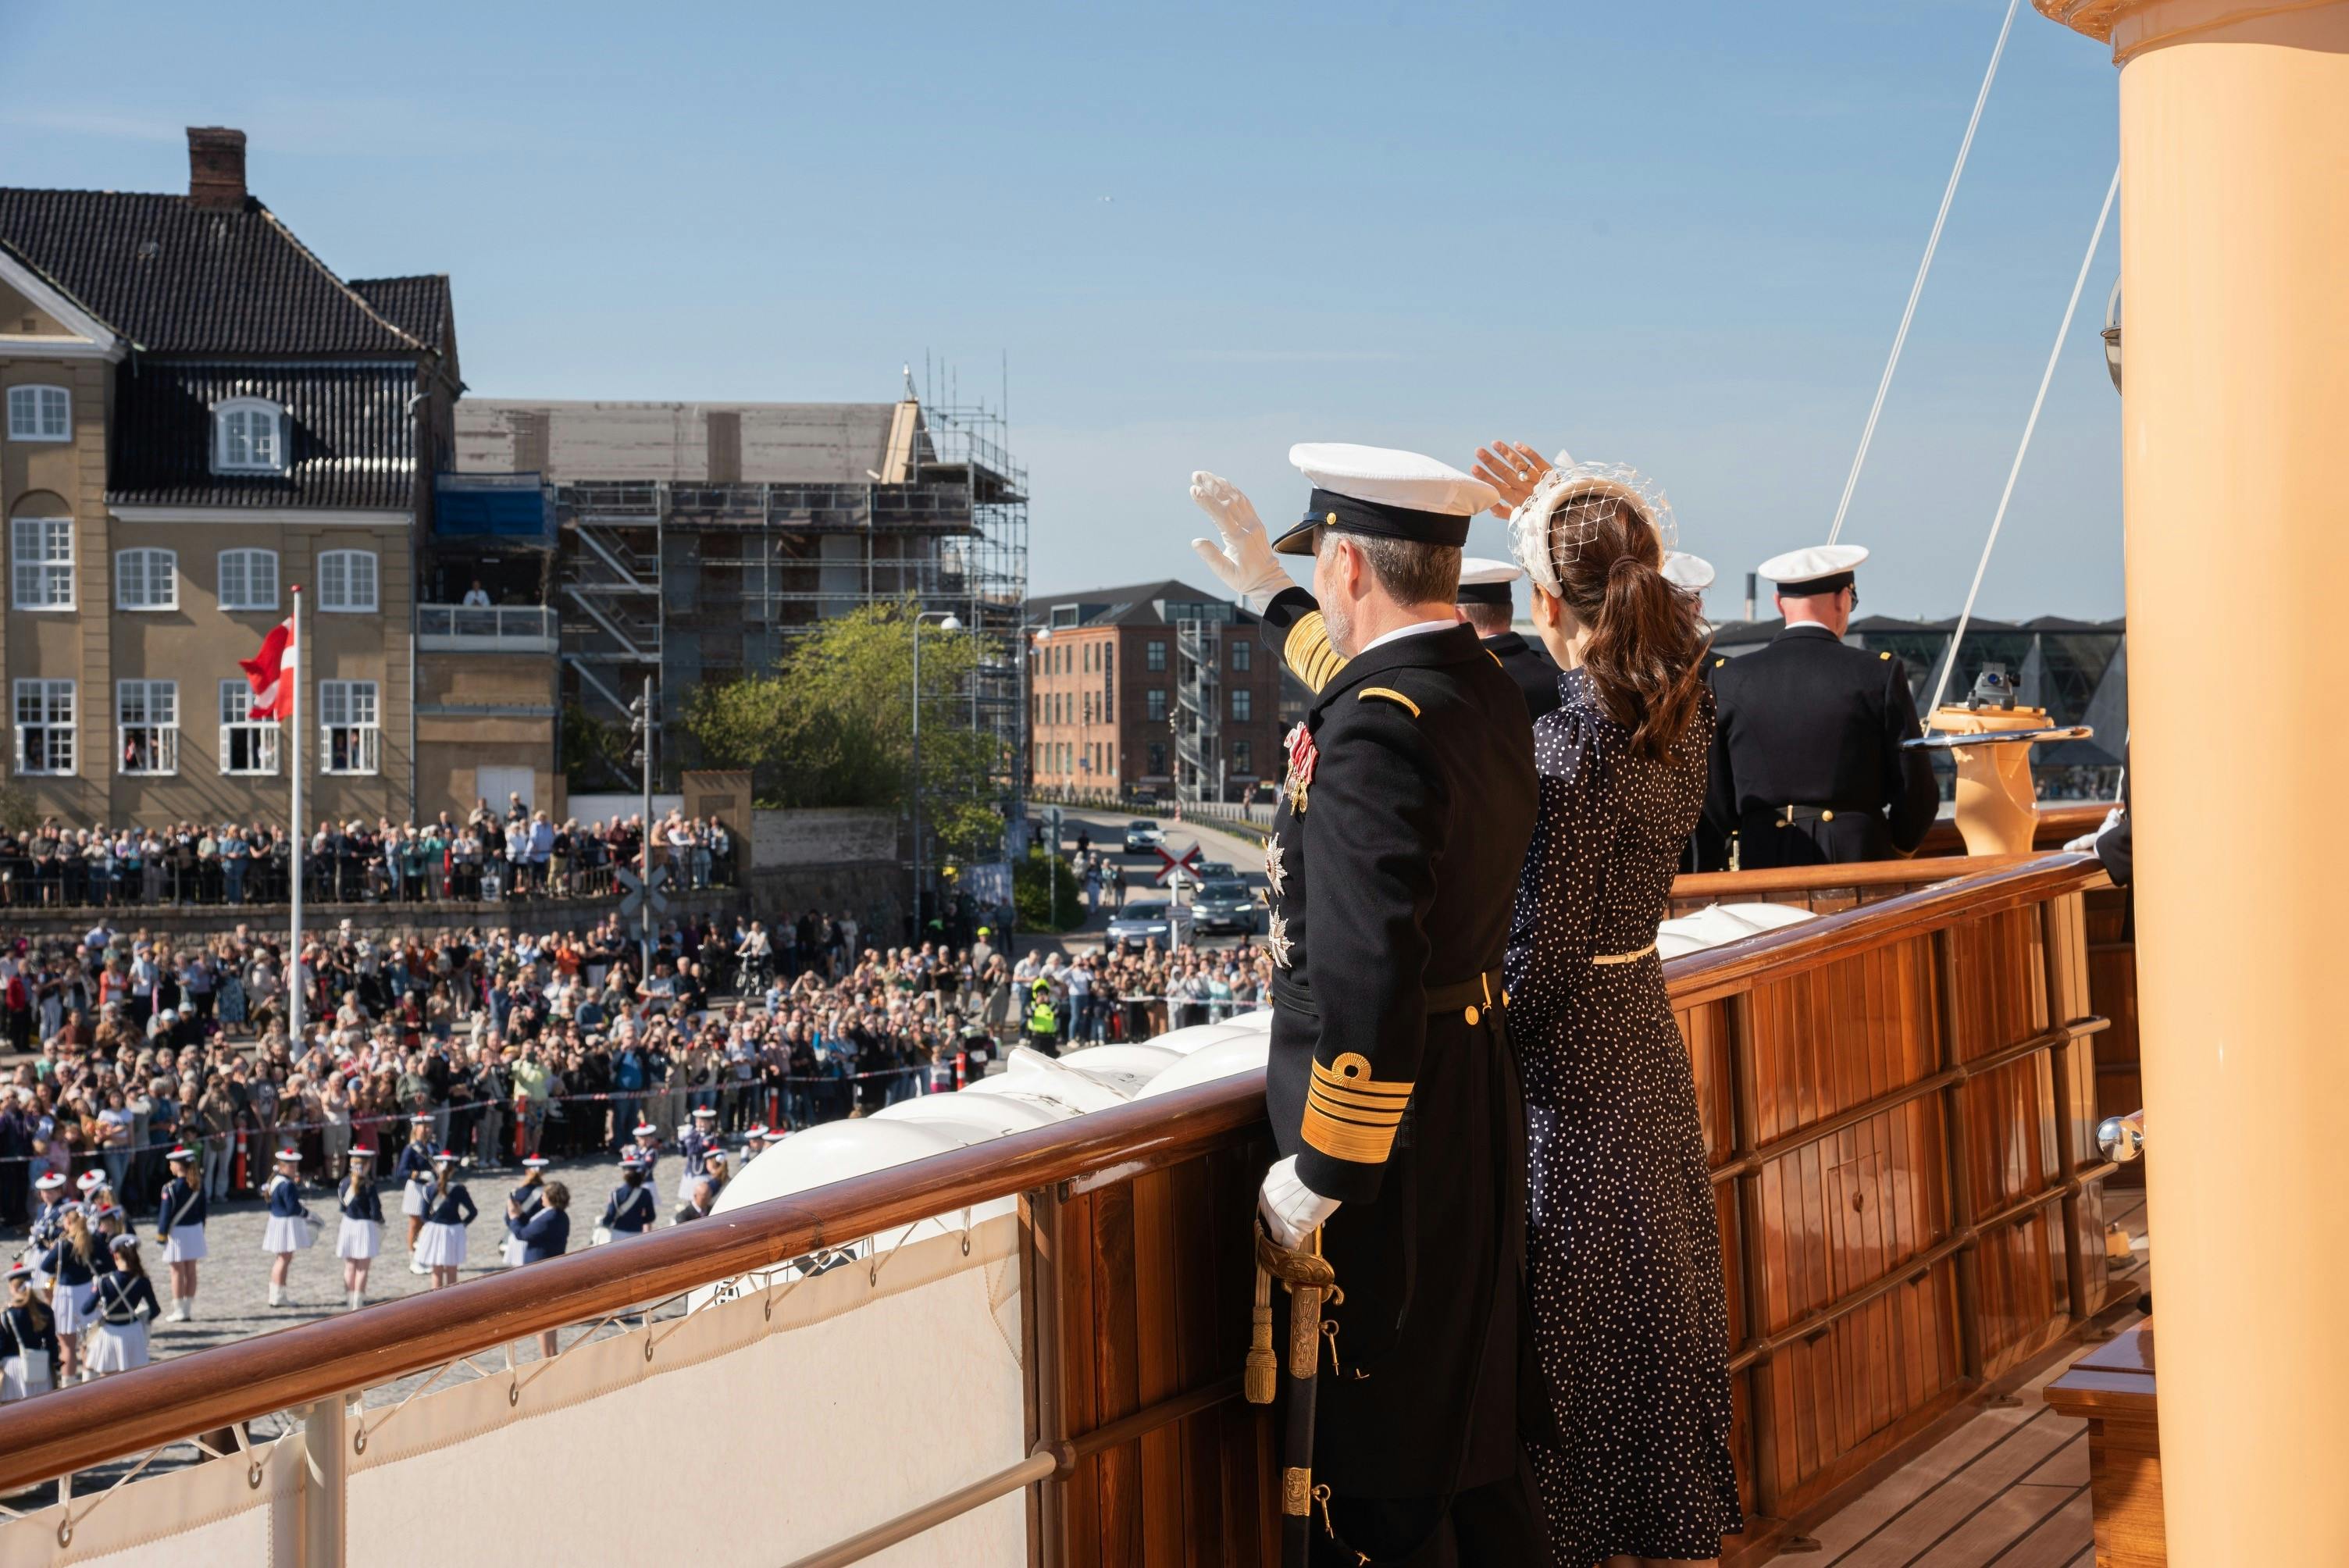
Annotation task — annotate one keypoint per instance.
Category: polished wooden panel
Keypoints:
(2113, 1386)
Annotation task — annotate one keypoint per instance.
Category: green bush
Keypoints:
(1033, 878)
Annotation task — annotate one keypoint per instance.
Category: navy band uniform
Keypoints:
(1492, 584)
(1807, 767)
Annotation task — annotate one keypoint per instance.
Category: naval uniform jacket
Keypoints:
(1530, 665)
(1393, 870)
(1812, 724)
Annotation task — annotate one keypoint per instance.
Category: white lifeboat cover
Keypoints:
(1722, 922)
(1243, 1052)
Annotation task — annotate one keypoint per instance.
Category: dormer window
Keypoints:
(248, 437)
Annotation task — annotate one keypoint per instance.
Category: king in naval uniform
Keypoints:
(1807, 766)
(1392, 1089)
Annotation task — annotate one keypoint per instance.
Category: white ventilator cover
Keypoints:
(1002, 1112)
(1124, 1068)
(1035, 1076)
(1243, 1052)
(1200, 1037)
(1722, 923)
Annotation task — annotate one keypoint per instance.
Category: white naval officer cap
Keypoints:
(1816, 569)
(1487, 582)
(1383, 491)
(1692, 574)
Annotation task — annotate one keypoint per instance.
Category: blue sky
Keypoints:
(1674, 236)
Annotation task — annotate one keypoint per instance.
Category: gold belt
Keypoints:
(1623, 957)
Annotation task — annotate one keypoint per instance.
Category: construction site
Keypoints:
(693, 541)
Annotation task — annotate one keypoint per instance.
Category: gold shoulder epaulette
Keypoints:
(1391, 695)
(1884, 656)
(1720, 661)
(1308, 653)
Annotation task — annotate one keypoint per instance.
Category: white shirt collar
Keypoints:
(1413, 630)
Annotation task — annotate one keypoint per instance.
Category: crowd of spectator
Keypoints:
(512, 1044)
(487, 854)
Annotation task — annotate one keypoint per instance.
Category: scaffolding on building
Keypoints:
(702, 582)
(1198, 712)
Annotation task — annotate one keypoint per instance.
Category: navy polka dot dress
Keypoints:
(1623, 1252)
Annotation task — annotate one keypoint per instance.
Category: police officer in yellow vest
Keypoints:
(1043, 1029)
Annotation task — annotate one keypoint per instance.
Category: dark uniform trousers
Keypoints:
(1391, 1081)
(1807, 767)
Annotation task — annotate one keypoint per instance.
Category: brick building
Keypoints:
(200, 415)
(1155, 690)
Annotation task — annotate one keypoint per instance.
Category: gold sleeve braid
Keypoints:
(1308, 653)
(1349, 1115)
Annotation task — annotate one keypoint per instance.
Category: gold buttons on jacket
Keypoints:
(1472, 1015)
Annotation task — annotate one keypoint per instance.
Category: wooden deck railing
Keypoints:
(1898, 1120)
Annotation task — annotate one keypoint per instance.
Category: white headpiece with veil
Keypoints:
(1566, 483)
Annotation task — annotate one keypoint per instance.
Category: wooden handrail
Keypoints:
(1729, 887)
(77, 1427)
(1734, 965)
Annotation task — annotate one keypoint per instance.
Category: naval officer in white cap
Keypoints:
(1408, 801)
(1807, 765)
(1488, 601)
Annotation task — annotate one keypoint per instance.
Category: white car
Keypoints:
(1142, 835)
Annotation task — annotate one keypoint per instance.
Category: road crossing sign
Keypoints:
(634, 887)
(1186, 863)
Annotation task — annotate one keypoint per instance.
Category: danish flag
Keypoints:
(272, 672)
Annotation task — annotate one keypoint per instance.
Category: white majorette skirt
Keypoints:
(359, 1239)
(118, 1346)
(71, 1307)
(441, 1247)
(286, 1233)
(22, 1376)
(185, 1244)
(412, 1201)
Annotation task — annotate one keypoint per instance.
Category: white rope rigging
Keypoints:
(1917, 289)
(1949, 663)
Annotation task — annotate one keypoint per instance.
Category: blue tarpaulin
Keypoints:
(518, 507)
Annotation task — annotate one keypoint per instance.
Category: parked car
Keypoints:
(1143, 836)
(1228, 905)
(1140, 923)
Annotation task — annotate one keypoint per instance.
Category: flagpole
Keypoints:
(293, 669)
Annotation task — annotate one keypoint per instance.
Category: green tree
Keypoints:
(832, 726)
(594, 754)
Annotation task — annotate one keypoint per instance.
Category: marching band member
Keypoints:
(520, 1204)
(29, 1339)
(755, 1142)
(125, 1303)
(360, 1236)
(179, 1230)
(448, 1210)
(696, 1143)
(413, 1172)
(73, 1263)
(289, 1223)
(49, 1219)
(544, 1231)
(631, 1208)
(93, 1192)
(646, 1150)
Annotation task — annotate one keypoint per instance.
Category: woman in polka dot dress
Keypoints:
(1623, 1251)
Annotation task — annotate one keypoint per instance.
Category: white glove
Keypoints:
(1291, 1210)
(2085, 844)
(1244, 561)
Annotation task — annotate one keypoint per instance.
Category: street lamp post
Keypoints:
(947, 623)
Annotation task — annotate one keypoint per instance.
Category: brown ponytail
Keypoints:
(1647, 639)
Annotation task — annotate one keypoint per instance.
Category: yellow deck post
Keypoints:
(2235, 292)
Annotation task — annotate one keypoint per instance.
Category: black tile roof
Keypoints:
(1134, 605)
(176, 278)
(420, 306)
(351, 441)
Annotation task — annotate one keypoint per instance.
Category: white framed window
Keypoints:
(1243, 704)
(45, 727)
(41, 560)
(347, 582)
(1155, 706)
(40, 414)
(348, 734)
(146, 578)
(247, 745)
(1242, 756)
(147, 726)
(248, 437)
(1240, 655)
(248, 580)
